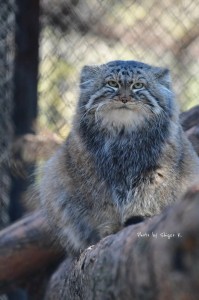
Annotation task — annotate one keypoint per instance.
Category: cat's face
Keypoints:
(125, 93)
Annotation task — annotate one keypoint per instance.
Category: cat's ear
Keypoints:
(88, 74)
(163, 76)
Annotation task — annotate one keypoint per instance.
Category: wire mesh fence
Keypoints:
(6, 93)
(78, 32)
(6, 96)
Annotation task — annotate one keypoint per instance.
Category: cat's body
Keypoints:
(126, 154)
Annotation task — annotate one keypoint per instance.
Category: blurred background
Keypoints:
(43, 46)
(74, 33)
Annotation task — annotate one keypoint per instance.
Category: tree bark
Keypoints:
(156, 259)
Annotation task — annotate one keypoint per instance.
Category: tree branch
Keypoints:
(190, 118)
(25, 248)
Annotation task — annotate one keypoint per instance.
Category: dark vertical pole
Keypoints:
(26, 65)
(25, 87)
(25, 98)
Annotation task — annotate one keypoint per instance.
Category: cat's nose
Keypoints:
(124, 99)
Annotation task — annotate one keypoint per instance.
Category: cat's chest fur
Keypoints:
(125, 161)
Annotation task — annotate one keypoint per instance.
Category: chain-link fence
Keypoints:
(6, 95)
(78, 32)
(6, 102)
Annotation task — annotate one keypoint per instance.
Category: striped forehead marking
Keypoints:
(123, 73)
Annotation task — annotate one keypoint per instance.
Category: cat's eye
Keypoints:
(113, 83)
(137, 86)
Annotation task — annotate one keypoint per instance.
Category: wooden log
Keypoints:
(190, 118)
(193, 136)
(156, 259)
(30, 148)
(26, 247)
(190, 123)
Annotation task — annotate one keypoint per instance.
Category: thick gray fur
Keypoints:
(126, 155)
